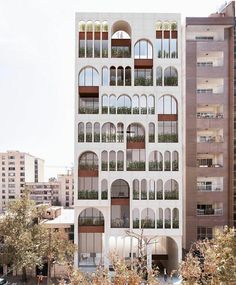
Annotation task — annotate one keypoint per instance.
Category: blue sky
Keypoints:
(37, 70)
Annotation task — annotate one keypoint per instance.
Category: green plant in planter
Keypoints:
(175, 165)
(104, 110)
(104, 166)
(167, 224)
(171, 195)
(151, 138)
(167, 165)
(136, 223)
(147, 224)
(104, 195)
(104, 52)
(151, 111)
(81, 52)
(112, 110)
(143, 110)
(112, 166)
(159, 224)
(143, 195)
(167, 138)
(127, 82)
(155, 165)
(135, 195)
(171, 81)
(88, 137)
(175, 224)
(151, 195)
(120, 165)
(135, 110)
(136, 165)
(120, 138)
(159, 195)
(80, 137)
(96, 137)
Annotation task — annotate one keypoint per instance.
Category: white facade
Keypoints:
(16, 169)
(169, 241)
(66, 189)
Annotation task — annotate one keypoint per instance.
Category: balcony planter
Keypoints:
(120, 138)
(155, 166)
(175, 165)
(86, 110)
(159, 224)
(135, 195)
(112, 166)
(151, 138)
(96, 137)
(112, 110)
(175, 224)
(151, 195)
(136, 166)
(120, 165)
(151, 111)
(104, 110)
(171, 195)
(89, 137)
(80, 137)
(168, 138)
(104, 166)
(159, 195)
(171, 81)
(136, 224)
(104, 195)
(87, 195)
(136, 110)
(147, 224)
(167, 224)
(167, 165)
(143, 195)
(142, 81)
(109, 138)
(123, 110)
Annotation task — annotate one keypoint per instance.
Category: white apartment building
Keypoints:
(129, 132)
(66, 182)
(17, 168)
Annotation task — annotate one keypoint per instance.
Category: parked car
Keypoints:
(3, 281)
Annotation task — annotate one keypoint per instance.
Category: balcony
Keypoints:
(172, 195)
(135, 165)
(209, 115)
(120, 52)
(119, 223)
(155, 165)
(210, 212)
(162, 138)
(91, 221)
(88, 110)
(87, 195)
(210, 187)
(147, 223)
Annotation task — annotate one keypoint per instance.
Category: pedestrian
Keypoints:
(165, 275)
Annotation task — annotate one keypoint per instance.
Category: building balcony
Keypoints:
(87, 195)
(210, 187)
(172, 195)
(170, 138)
(135, 165)
(155, 165)
(210, 212)
(120, 223)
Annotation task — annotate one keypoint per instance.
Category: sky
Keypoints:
(37, 55)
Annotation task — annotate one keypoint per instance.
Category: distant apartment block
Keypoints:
(17, 168)
(55, 192)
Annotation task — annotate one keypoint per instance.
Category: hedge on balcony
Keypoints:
(159, 195)
(175, 165)
(159, 224)
(175, 224)
(109, 138)
(104, 110)
(155, 166)
(136, 223)
(91, 221)
(120, 165)
(170, 81)
(137, 138)
(124, 110)
(167, 224)
(135, 195)
(104, 195)
(87, 110)
(80, 137)
(88, 137)
(112, 165)
(171, 195)
(86, 166)
(136, 165)
(87, 195)
(168, 138)
(104, 165)
(147, 224)
(142, 81)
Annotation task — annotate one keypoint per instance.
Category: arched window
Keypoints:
(120, 160)
(121, 40)
(104, 104)
(88, 161)
(155, 161)
(112, 104)
(151, 105)
(143, 49)
(143, 104)
(105, 39)
(112, 76)
(167, 161)
(175, 218)
(167, 125)
(128, 76)
(135, 133)
(171, 190)
(171, 76)
(135, 214)
(96, 136)
(144, 189)
(104, 189)
(135, 189)
(174, 26)
(89, 39)
(97, 26)
(108, 132)
(174, 40)
(88, 76)
(81, 39)
(175, 161)
(120, 76)
(151, 189)
(151, 128)
(81, 26)
(159, 218)
(167, 218)
(148, 219)
(104, 162)
(105, 76)
(88, 132)
(166, 40)
(112, 161)
(167, 105)
(159, 189)
(159, 76)
(91, 217)
(124, 105)
(81, 132)
(159, 26)
(135, 104)
(120, 132)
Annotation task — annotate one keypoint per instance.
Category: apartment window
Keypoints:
(11, 162)
(11, 157)
(143, 50)
(11, 168)
(10, 174)
(3, 179)
(67, 187)
(199, 38)
(22, 168)
(204, 233)
(22, 162)
(11, 179)
(3, 168)
(22, 174)
(11, 185)
(3, 162)
(22, 180)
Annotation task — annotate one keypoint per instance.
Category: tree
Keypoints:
(211, 261)
(22, 235)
